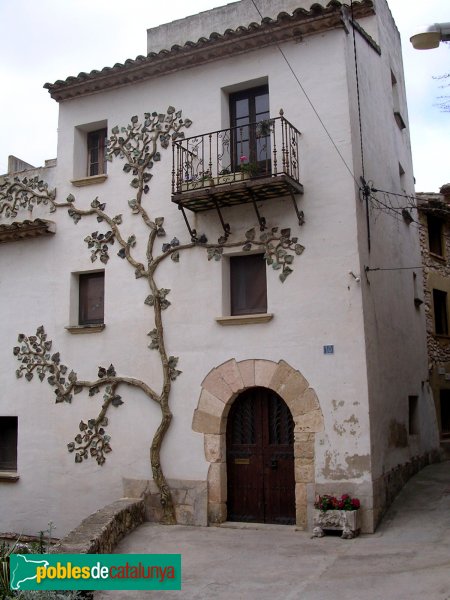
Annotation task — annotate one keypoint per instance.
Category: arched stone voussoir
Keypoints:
(247, 370)
(206, 423)
(290, 385)
(310, 422)
(304, 403)
(264, 370)
(216, 385)
(211, 404)
(230, 373)
(282, 374)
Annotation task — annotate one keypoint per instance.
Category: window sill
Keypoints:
(438, 257)
(89, 180)
(85, 328)
(245, 319)
(399, 120)
(442, 337)
(9, 476)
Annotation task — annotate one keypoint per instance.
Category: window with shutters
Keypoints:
(91, 298)
(89, 153)
(8, 443)
(96, 142)
(248, 284)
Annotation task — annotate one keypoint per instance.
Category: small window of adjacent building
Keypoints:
(435, 237)
(396, 103)
(96, 144)
(248, 284)
(440, 312)
(444, 398)
(91, 298)
(413, 402)
(8, 443)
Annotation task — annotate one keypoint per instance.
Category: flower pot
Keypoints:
(231, 177)
(196, 184)
(347, 521)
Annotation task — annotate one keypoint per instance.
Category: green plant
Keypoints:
(5, 552)
(264, 128)
(328, 502)
(205, 176)
(250, 168)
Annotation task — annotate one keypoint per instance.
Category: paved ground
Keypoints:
(407, 558)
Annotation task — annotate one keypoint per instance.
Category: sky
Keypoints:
(45, 40)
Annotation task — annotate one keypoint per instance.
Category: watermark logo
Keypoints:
(95, 571)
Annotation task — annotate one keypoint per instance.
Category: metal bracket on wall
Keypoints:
(226, 227)
(261, 220)
(300, 214)
(192, 232)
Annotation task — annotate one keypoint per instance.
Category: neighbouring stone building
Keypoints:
(434, 219)
(252, 256)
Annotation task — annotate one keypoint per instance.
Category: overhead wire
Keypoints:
(376, 203)
(371, 269)
(311, 103)
(358, 96)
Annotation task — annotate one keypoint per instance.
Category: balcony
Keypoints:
(245, 164)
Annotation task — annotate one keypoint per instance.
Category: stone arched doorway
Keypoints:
(219, 390)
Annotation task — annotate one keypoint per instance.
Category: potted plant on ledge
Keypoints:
(337, 514)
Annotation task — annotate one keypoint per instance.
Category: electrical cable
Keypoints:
(388, 210)
(358, 96)
(372, 189)
(371, 269)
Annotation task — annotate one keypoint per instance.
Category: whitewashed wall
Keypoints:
(320, 303)
(394, 327)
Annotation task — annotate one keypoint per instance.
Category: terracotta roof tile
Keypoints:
(255, 35)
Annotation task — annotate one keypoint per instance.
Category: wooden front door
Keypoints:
(260, 459)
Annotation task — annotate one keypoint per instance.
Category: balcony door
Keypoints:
(250, 133)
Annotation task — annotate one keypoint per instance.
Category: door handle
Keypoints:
(273, 464)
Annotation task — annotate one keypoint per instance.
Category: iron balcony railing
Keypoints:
(267, 148)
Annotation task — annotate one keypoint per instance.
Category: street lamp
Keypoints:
(431, 36)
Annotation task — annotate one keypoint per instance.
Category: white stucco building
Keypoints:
(334, 356)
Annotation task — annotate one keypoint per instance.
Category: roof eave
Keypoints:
(20, 230)
(233, 42)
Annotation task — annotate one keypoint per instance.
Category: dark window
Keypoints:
(96, 141)
(413, 416)
(249, 115)
(8, 443)
(435, 235)
(248, 286)
(445, 412)
(91, 300)
(396, 102)
(440, 312)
